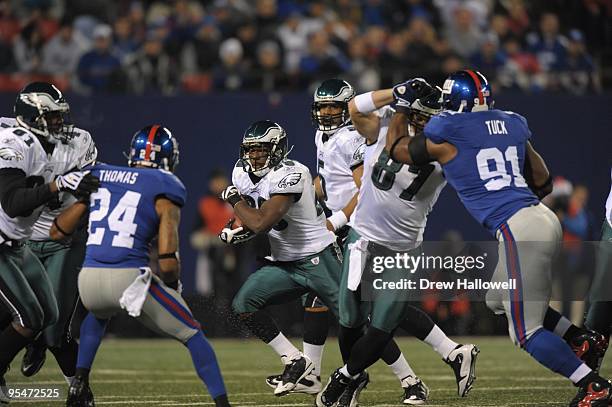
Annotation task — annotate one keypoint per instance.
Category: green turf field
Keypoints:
(159, 373)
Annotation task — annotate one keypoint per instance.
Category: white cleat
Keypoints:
(295, 370)
(463, 362)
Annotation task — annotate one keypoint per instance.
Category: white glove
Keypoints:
(70, 181)
(235, 236)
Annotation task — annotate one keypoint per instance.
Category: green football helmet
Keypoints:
(335, 92)
(264, 146)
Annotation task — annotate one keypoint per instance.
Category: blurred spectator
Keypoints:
(213, 214)
(98, 69)
(463, 34)
(518, 18)
(231, 72)
(62, 53)
(489, 59)
(266, 17)
(28, 49)
(577, 71)
(125, 44)
(323, 60)
(293, 33)
(269, 73)
(363, 74)
(548, 45)
(152, 69)
(520, 67)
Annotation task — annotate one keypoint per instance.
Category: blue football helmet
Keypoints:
(467, 91)
(154, 146)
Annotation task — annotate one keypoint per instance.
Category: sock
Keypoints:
(315, 353)
(283, 347)
(344, 371)
(581, 373)
(417, 323)
(316, 326)
(401, 369)
(92, 331)
(441, 343)
(11, 342)
(347, 338)
(66, 356)
(552, 352)
(205, 362)
(367, 350)
(261, 325)
(599, 317)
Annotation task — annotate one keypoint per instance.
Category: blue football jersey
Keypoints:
(122, 216)
(487, 171)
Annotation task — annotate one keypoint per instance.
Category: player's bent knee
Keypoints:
(242, 304)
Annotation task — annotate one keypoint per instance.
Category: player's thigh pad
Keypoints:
(269, 285)
(353, 312)
(166, 312)
(36, 275)
(529, 241)
(15, 291)
(101, 288)
(321, 273)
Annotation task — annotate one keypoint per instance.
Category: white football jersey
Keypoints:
(394, 199)
(302, 231)
(337, 157)
(79, 152)
(609, 205)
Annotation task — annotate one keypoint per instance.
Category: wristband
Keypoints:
(364, 103)
(338, 219)
(234, 199)
(172, 255)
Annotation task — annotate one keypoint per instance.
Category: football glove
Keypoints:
(235, 236)
(78, 183)
(231, 195)
(407, 92)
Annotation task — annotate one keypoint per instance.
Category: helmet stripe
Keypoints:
(150, 141)
(478, 85)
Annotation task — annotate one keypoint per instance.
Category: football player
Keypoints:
(274, 195)
(482, 152)
(599, 316)
(391, 214)
(133, 206)
(74, 150)
(32, 174)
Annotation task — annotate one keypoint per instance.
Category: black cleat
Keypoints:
(333, 390)
(33, 359)
(415, 391)
(79, 394)
(350, 397)
(463, 362)
(295, 370)
(590, 347)
(597, 393)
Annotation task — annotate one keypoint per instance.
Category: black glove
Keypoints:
(407, 92)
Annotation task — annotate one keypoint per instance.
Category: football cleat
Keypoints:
(310, 384)
(33, 359)
(79, 394)
(335, 387)
(415, 391)
(295, 370)
(590, 347)
(463, 362)
(350, 397)
(594, 394)
(4, 395)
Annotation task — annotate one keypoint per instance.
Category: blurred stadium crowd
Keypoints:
(144, 46)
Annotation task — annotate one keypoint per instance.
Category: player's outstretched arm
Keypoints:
(536, 173)
(361, 109)
(68, 221)
(168, 241)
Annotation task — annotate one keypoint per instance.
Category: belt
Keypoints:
(6, 241)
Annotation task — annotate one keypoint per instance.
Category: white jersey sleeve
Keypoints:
(86, 150)
(288, 179)
(13, 149)
(353, 148)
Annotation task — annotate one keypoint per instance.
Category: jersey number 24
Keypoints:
(120, 219)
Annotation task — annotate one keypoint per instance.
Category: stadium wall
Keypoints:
(572, 133)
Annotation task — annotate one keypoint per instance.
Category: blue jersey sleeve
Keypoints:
(438, 129)
(524, 125)
(173, 188)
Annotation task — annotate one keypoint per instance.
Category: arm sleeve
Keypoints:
(523, 122)
(87, 151)
(173, 189)
(289, 179)
(437, 129)
(354, 150)
(16, 197)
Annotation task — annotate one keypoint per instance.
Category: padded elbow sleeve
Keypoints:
(418, 150)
